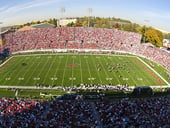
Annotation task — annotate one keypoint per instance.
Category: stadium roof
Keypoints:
(43, 25)
(25, 28)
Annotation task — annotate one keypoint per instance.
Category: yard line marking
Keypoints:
(33, 72)
(8, 74)
(64, 71)
(73, 56)
(146, 79)
(61, 57)
(72, 69)
(154, 71)
(13, 79)
(91, 78)
(109, 79)
(8, 78)
(123, 74)
(52, 63)
(43, 68)
(88, 68)
(38, 57)
(27, 71)
(21, 78)
(97, 71)
(141, 74)
(72, 78)
(126, 79)
(81, 70)
(57, 68)
(107, 73)
(54, 78)
(138, 74)
(49, 56)
(19, 72)
(139, 78)
(36, 78)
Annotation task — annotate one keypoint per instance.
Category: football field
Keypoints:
(74, 69)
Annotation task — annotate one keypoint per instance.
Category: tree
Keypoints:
(167, 36)
(154, 36)
(84, 24)
(70, 24)
(78, 24)
(116, 25)
(54, 22)
(142, 31)
(38, 22)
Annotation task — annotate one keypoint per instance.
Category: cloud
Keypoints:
(32, 4)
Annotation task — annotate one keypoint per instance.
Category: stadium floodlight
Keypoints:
(146, 21)
(62, 11)
(89, 14)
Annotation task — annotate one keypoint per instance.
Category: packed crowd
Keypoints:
(69, 37)
(160, 56)
(84, 38)
(134, 113)
(71, 113)
(31, 113)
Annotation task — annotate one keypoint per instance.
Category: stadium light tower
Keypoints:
(89, 14)
(146, 21)
(62, 11)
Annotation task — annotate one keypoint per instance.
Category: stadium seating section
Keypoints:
(84, 38)
(122, 113)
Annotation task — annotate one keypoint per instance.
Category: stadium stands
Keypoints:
(135, 113)
(84, 38)
(75, 113)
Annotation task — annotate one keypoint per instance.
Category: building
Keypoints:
(166, 43)
(64, 22)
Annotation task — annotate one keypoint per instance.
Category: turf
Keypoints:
(74, 69)
(161, 70)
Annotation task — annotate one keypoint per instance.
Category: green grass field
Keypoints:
(74, 69)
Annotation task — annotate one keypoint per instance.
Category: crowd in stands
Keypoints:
(80, 113)
(152, 113)
(35, 113)
(84, 38)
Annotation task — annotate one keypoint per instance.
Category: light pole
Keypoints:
(146, 21)
(89, 12)
(62, 11)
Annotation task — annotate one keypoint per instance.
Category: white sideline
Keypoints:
(154, 71)
(61, 87)
(6, 61)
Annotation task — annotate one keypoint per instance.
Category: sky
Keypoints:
(154, 13)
